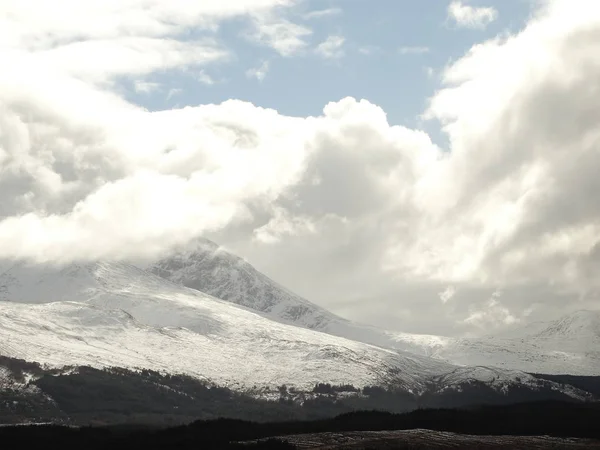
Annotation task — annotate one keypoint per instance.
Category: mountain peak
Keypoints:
(206, 267)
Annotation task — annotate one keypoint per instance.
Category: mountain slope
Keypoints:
(569, 345)
(565, 347)
(206, 267)
(120, 315)
(124, 316)
(577, 328)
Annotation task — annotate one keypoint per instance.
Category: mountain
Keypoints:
(578, 328)
(118, 315)
(115, 314)
(569, 345)
(207, 267)
(566, 346)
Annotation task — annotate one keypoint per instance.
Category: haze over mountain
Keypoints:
(567, 345)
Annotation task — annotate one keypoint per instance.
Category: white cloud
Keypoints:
(77, 150)
(413, 50)
(282, 225)
(512, 202)
(510, 142)
(36, 25)
(205, 78)
(447, 294)
(368, 50)
(259, 72)
(102, 60)
(492, 315)
(331, 48)
(320, 13)
(172, 175)
(102, 39)
(470, 16)
(173, 92)
(145, 87)
(285, 37)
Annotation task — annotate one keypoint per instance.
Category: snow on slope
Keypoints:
(126, 317)
(206, 267)
(120, 315)
(569, 345)
(577, 328)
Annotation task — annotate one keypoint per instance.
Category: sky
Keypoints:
(427, 167)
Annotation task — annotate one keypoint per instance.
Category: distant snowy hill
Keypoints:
(566, 346)
(569, 345)
(115, 314)
(579, 328)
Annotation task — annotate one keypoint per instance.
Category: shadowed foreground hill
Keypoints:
(30, 393)
(483, 427)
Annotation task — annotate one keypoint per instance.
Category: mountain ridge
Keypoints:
(119, 315)
(206, 267)
(145, 316)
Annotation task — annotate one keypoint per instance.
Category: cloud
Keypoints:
(101, 60)
(492, 315)
(205, 78)
(447, 294)
(172, 175)
(368, 50)
(471, 17)
(413, 50)
(285, 37)
(259, 72)
(103, 40)
(145, 87)
(173, 92)
(510, 203)
(524, 157)
(331, 48)
(282, 225)
(320, 13)
(77, 150)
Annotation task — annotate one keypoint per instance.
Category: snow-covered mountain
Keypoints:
(569, 345)
(579, 329)
(206, 267)
(566, 346)
(118, 315)
(115, 314)
(209, 268)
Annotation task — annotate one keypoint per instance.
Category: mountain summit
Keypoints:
(208, 268)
